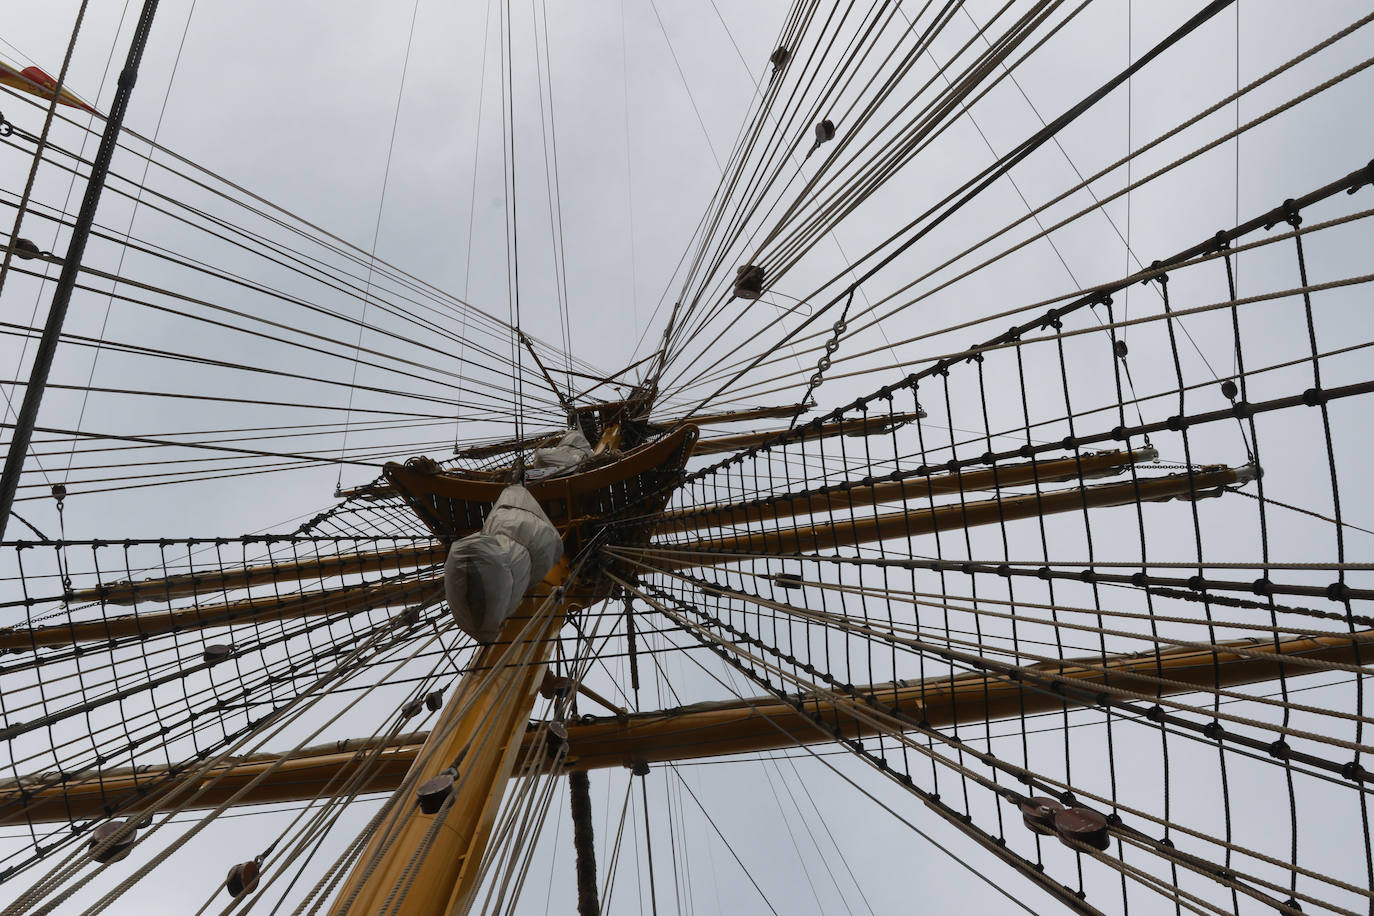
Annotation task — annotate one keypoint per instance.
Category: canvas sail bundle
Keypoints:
(564, 456)
(487, 573)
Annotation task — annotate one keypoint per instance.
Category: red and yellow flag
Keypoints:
(35, 82)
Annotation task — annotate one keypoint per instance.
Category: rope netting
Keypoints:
(1123, 516)
(1091, 590)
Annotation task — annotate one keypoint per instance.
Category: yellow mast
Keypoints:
(421, 863)
(428, 864)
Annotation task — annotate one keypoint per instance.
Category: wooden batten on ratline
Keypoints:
(749, 281)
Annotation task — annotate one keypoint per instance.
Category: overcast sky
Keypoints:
(296, 103)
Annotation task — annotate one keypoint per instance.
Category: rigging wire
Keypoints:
(1131, 186)
(472, 207)
(376, 228)
(856, 602)
(133, 213)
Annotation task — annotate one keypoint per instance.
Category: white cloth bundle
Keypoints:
(487, 573)
(571, 450)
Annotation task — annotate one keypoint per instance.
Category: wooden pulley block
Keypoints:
(432, 792)
(556, 739)
(117, 849)
(1038, 814)
(26, 250)
(1082, 825)
(555, 686)
(243, 879)
(412, 708)
(434, 701)
(749, 281)
(216, 653)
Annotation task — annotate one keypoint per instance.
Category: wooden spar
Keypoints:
(557, 392)
(479, 732)
(422, 553)
(865, 528)
(140, 786)
(509, 445)
(876, 425)
(718, 728)
(766, 723)
(380, 489)
(339, 599)
(733, 416)
(345, 600)
(915, 521)
(737, 416)
(597, 698)
(555, 494)
(919, 487)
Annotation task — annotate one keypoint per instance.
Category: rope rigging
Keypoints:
(970, 544)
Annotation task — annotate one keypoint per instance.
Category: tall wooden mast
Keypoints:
(418, 862)
(423, 864)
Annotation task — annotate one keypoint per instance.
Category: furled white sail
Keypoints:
(487, 573)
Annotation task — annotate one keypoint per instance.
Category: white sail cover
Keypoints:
(571, 450)
(487, 573)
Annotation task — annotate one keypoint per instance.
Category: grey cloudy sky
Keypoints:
(295, 102)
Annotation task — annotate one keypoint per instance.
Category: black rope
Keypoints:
(66, 281)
